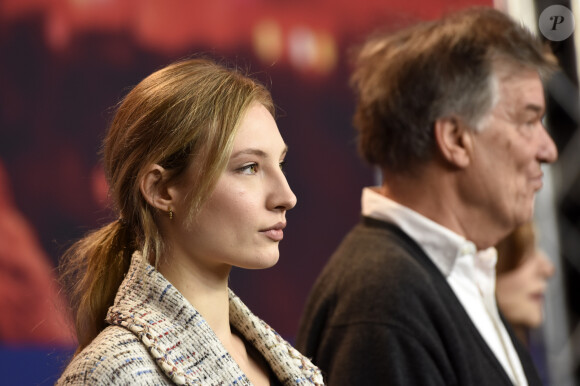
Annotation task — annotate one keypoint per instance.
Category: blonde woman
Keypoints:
(194, 163)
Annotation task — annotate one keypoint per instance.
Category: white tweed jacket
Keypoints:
(157, 337)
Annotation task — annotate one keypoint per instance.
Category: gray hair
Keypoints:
(407, 80)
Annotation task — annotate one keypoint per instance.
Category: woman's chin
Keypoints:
(262, 262)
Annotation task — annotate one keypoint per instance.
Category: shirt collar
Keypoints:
(441, 244)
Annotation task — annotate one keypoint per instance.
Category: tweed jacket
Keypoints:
(157, 337)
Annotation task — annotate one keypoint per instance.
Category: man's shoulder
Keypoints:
(377, 281)
(376, 268)
(378, 248)
(115, 356)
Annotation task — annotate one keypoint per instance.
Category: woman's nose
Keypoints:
(547, 268)
(282, 196)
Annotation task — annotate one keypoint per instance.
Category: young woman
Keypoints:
(522, 273)
(194, 163)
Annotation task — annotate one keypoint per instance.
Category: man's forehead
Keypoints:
(523, 88)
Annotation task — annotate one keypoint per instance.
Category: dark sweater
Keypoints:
(381, 313)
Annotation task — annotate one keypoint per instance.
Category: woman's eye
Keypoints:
(282, 165)
(249, 169)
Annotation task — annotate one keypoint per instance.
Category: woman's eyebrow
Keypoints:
(257, 152)
(252, 151)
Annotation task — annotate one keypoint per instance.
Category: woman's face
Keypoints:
(520, 292)
(242, 222)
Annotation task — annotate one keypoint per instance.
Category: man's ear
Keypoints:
(453, 138)
(154, 188)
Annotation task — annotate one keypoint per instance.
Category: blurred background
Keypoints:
(64, 64)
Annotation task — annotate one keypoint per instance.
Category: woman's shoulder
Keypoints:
(115, 356)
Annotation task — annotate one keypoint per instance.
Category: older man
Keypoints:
(451, 112)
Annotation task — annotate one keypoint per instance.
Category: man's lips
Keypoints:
(275, 232)
(537, 181)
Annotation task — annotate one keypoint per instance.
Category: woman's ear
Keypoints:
(453, 138)
(154, 188)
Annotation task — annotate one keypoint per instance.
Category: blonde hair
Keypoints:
(187, 112)
(512, 250)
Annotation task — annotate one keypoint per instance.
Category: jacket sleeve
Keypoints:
(377, 354)
(114, 357)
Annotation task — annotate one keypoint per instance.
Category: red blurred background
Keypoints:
(64, 63)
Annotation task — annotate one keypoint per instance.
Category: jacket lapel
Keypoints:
(183, 344)
(288, 364)
(174, 333)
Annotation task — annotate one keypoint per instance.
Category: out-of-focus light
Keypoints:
(267, 41)
(326, 53)
(57, 31)
(88, 3)
(100, 187)
(302, 48)
(312, 51)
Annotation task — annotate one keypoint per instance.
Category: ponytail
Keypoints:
(94, 268)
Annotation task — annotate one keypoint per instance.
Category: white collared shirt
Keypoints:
(470, 273)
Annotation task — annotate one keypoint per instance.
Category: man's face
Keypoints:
(512, 143)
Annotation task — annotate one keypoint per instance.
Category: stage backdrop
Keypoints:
(65, 63)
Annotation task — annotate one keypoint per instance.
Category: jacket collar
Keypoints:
(183, 344)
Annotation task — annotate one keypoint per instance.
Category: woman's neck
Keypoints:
(206, 288)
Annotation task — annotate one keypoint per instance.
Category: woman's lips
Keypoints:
(275, 232)
(538, 297)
